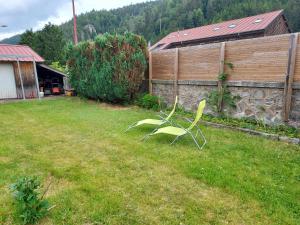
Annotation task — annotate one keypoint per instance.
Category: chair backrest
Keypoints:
(174, 108)
(199, 114)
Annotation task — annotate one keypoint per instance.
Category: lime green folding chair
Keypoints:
(164, 118)
(181, 131)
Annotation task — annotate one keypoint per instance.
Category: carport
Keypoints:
(51, 81)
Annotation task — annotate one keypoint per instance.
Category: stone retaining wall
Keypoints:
(261, 101)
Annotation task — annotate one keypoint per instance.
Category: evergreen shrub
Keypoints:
(110, 68)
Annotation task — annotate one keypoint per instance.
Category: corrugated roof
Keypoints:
(237, 26)
(20, 50)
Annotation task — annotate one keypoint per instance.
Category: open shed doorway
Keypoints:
(51, 81)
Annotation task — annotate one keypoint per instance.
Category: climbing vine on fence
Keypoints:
(110, 68)
(222, 97)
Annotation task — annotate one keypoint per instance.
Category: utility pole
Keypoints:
(160, 25)
(74, 25)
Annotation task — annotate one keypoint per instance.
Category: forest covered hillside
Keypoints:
(156, 19)
(12, 40)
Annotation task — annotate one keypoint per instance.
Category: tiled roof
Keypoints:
(7, 50)
(237, 26)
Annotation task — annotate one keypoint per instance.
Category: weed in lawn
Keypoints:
(31, 206)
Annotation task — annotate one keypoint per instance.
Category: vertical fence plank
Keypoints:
(222, 58)
(221, 70)
(288, 86)
(176, 69)
(150, 73)
(222, 61)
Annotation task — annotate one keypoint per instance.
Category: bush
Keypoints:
(30, 206)
(110, 69)
(148, 101)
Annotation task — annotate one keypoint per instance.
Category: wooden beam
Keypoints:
(288, 86)
(21, 80)
(150, 73)
(176, 69)
(36, 78)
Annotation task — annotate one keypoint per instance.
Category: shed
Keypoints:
(22, 74)
(267, 24)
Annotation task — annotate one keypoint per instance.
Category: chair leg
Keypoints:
(175, 140)
(197, 134)
(147, 136)
(195, 141)
(201, 133)
(130, 127)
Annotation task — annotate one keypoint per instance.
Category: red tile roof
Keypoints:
(248, 24)
(20, 50)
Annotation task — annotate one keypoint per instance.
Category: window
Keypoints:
(232, 26)
(257, 20)
(216, 28)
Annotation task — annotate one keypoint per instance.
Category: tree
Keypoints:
(28, 38)
(146, 19)
(293, 9)
(48, 42)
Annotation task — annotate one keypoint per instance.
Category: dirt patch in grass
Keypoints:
(4, 159)
(114, 107)
(109, 106)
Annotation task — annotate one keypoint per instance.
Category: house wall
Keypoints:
(218, 39)
(7, 81)
(278, 26)
(28, 78)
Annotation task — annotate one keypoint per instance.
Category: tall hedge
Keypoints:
(110, 68)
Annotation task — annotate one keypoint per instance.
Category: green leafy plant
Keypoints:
(30, 204)
(222, 96)
(149, 101)
(111, 68)
(58, 66)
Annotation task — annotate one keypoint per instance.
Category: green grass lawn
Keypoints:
(101, 175)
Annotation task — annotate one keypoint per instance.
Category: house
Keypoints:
(23, 74)
(267, 24)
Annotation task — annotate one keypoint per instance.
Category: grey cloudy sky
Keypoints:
(20, 15)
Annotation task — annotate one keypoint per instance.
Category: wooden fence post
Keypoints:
(150, 73)
(288, 86)
(222, 58)
(176, 64)
(221, 70)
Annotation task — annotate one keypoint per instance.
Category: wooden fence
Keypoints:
(267, 59)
